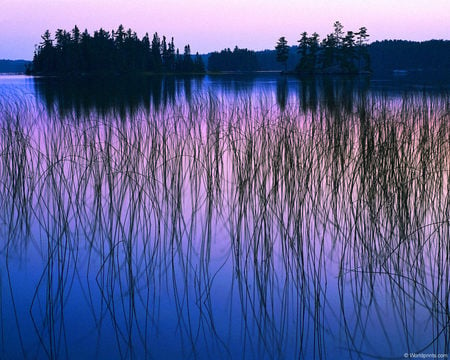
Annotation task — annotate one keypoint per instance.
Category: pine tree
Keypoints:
(363, 55)
(282, 49)
(156, 52)
(199, 65)
(117, 52)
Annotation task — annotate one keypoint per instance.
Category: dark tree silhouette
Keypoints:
(199, 65)
(348, 53)
(156, 53)
(170, 60)
(45, 54)
(338, 52)
(187, 64)
(115, 52)
(362, 52)
(308, 49)
(282, 49)
(236, 60)
(419, 57)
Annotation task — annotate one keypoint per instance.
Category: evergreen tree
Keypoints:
(146, 52)
(76, 35)
(335, 54)
(63, 40)
(75, 50)
(119, 36)
(308, 49)
(45, 55)
(314, 50)
(178, 61)
(282, 49)
(117, 52)
(188, 64)
(328, 51)
(165, 53)
(171, 56)
(103, 52)
(236, 60)
(199, 66)
(303, 45)
(338, 34)
(156, 53)
(362, 53)
(348, 53)
(86, 52)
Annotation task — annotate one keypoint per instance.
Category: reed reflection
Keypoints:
(213, 230)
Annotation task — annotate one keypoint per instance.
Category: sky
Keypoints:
(211, 25)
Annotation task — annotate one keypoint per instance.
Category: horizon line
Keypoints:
(267, 49)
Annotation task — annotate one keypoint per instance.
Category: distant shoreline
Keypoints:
(388, 56)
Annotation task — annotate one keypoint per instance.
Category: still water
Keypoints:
(223, 218)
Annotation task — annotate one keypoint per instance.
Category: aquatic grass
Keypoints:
(159, 208)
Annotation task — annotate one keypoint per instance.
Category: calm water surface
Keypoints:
(223, 217)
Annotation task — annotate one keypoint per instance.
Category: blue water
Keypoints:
(222, 217)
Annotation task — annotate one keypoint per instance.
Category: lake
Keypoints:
(224, 217)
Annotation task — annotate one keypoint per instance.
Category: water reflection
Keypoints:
(282, 92)
(227, 229)
(125, 96)
(83, 96)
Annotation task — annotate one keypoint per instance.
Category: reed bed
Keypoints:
(228, 228)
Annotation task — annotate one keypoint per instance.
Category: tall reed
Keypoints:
(229, 228)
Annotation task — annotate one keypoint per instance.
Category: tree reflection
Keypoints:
(211, 230)
(105, 95)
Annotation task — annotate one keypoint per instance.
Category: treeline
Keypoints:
(120, 51)
(385, 56)
(115, 52)
(13, 66)
(337, 52)
(267, 60)
(236, 60)
(426, 56)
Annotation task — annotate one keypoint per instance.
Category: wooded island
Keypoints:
(115, 52)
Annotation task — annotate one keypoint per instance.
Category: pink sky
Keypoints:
(217, 24)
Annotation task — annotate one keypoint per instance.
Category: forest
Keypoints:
(236, 60)
(115, 52)
(338, 53)
(386, 56)
(13, 66)
(120, 52)
(426, 56)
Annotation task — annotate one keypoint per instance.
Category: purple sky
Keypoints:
(209, 25)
